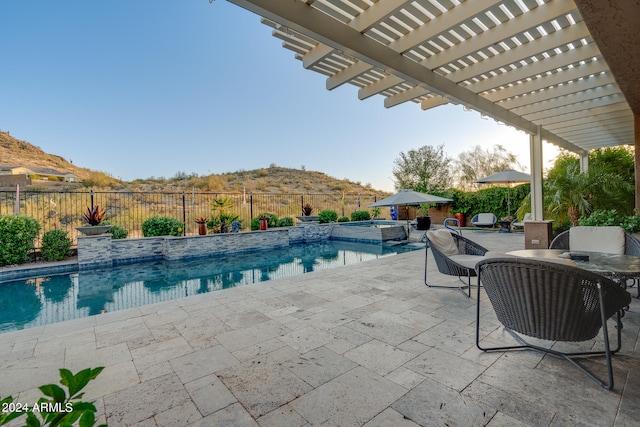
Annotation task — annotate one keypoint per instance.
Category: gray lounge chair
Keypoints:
(518, 225)
(552, 302)
(486, 220)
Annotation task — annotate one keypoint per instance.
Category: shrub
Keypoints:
(286, 221)
(343, 219)
(360, 216)
(117, 232)
(601, 218)
(162, 226)
(17, 233)
(56, 245)
(327, 216)
(69, 408)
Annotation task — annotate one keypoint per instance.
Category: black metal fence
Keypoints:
(64, 210)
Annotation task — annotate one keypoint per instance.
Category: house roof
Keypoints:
(36, 170)
(532, 64)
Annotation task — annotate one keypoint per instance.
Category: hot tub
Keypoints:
(368, 231)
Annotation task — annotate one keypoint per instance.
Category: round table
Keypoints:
(618, 266)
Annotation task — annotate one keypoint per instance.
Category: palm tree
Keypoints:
(571, 192)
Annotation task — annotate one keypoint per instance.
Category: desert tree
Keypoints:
(427, 169)
(478, 163)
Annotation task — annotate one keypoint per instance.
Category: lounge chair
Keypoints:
(486, 220)
(611, 239)
(454, 255)
(552, 302)
(519, 225)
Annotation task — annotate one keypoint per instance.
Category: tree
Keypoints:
(426, 169)
(478, 163)
(572, 193)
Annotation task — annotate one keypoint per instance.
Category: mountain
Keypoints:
(273, 179)
(16, 152)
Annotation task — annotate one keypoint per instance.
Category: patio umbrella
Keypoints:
(507, 176)
(409, 198)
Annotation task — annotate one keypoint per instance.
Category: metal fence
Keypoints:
(64, 210)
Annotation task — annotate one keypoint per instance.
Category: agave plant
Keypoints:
(94, 215)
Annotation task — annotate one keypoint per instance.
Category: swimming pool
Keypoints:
(50, 299)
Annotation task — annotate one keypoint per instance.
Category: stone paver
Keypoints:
(361, 345)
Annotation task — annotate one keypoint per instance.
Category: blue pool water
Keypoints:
(44, 300)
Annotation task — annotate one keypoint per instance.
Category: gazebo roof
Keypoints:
(525, 63)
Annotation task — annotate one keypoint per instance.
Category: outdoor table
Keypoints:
(616, 266)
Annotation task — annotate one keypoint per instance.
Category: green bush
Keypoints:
(360, 216)
(56, 245)
(286, 221)
(602, 218)
(17, 233)
(343, 219)
(70, 410)
(116, 232)
(327, 216)
(162, 226)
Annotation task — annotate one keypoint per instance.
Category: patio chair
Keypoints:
(485, 220)
(454, 255)
(552, 302)
(519, 225)
(610, 239)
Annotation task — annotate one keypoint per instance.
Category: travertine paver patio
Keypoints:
(366, 344)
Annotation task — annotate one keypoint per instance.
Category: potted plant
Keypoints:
(423, 219)
(459, 214)
(264, 221)
(375, 213)
(461, 206)
(306, 213)
(94, 216)
(202, 225)
(307, 209)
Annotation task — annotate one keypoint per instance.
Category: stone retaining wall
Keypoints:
(101, 250)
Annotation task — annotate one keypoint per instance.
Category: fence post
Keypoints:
(184, 215)
(301, 203)
(251, 206)
(91, 194)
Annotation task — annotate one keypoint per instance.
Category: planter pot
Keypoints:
(202, 228)
(94, 230)
(424, 222)
(264, 224)
(460, 217)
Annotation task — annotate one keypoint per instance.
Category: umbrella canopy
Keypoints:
(507, 176)
(409, 198)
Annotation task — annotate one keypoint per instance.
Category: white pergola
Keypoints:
(563, 71)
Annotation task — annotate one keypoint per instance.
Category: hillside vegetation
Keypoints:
(272, 179)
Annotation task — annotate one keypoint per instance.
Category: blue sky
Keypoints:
(150, 88)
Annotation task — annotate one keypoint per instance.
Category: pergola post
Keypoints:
(537, 203)
(636, 138)
(584, 162)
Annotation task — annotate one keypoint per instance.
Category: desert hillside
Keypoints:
(270, 179)
(20, 153)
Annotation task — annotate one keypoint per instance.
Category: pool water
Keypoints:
(45, 300)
